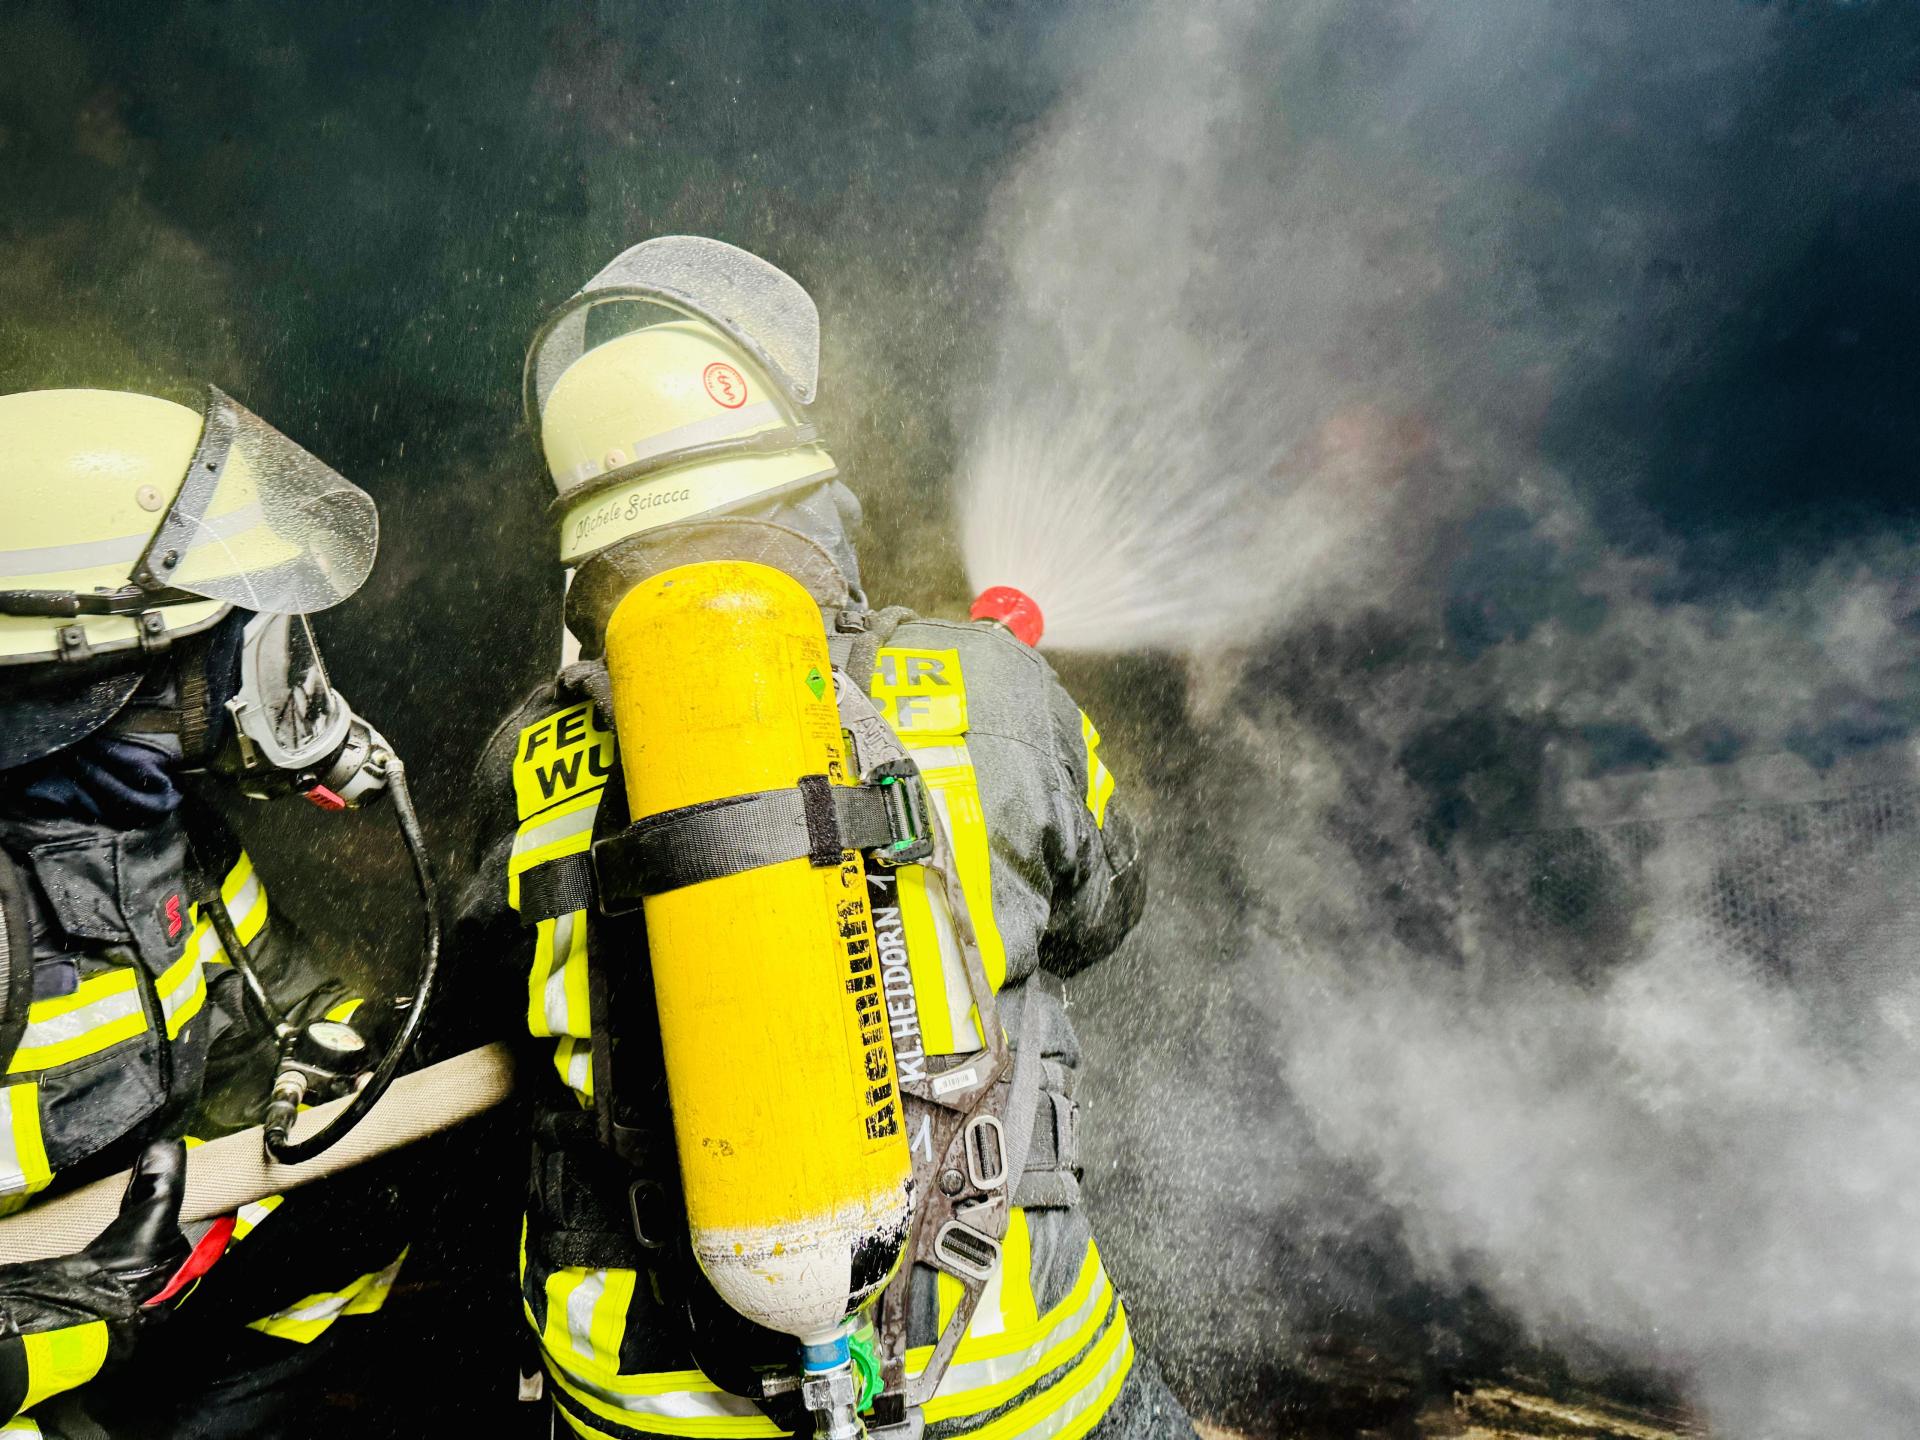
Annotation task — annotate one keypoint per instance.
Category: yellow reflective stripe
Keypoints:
(920, 692)
(988, 1377)
(1099, 778)
(183, 990)
(23, 1155)
(103, 1011)
(563, 755)
(1006, 1300)
(587, 1317)
(246, 901)
(59, 1360)
(566, 829)
(343, 1012)
(557, 983)
(699, 1410)
(1074, 1404)
(21, 1427)
(947, 1021)
(307, 1320)
(574, 1060)
(248, 1217)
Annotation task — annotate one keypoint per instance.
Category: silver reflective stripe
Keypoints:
(327, 1309)
(1088, 1390)
(672, 1404)
(580, 1066)
(700, 432)
(244, 899)
(532, 837)
(188, 986)
(54, 559)
(13, 1174)
(580, 1305)
(75, 1023)
(940, 757)
(554, 994)
(979, 1374)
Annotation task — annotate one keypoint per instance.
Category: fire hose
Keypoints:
(224, 1174)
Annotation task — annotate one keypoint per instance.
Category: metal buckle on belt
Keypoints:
(904, 794)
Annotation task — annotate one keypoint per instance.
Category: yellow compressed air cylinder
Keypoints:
(786, 1109)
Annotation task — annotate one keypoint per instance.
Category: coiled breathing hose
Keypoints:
(285, 1104)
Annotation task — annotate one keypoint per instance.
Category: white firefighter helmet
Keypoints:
(693, 410)
(133, 521)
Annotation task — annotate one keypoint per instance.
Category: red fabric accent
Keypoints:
(325, 798)
(1012, 608)
(211, 1247)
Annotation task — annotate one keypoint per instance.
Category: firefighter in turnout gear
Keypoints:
(156, 568)
(966, 832)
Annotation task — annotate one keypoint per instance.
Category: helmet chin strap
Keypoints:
(603, 580)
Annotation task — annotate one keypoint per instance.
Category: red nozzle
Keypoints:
(1012, 608)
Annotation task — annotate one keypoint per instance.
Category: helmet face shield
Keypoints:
(753, 303)
(261, 523)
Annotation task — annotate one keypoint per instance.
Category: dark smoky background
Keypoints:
(1541, 376)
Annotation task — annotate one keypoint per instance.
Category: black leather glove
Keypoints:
(63, 1321)
(130, 1263)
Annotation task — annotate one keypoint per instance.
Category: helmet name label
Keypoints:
(620, 510)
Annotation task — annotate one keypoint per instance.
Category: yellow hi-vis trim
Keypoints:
(101, 1012)
(343, 1011)
(246, 901)
(1099, 778)
(567, 754)
(1073, 1404)
(251, 1216)
(923, 694)
(557, 983)
(307, 1320)
(988, 1370)
(59, 1360)
(23, 1154)
(183, 991)
(560, 767)
(21, 1427)
(565, 829)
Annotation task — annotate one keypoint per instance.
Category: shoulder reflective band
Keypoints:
(815, 820)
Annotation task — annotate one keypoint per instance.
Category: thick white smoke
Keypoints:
(1292, 301)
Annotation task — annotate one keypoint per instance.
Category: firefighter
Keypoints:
(669, 399)
(156, 568)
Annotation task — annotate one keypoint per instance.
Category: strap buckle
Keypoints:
(904, 795)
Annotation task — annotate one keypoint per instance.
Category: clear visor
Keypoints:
(263, 524)
(757, 305)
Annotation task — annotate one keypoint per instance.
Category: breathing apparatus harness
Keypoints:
(956, 1114)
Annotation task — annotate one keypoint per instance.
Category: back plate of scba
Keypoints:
(1809, 877)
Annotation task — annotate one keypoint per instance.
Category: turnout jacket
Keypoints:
(631, 1338)
(135, 1029)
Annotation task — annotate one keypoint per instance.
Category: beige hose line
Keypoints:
(224, 1174)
